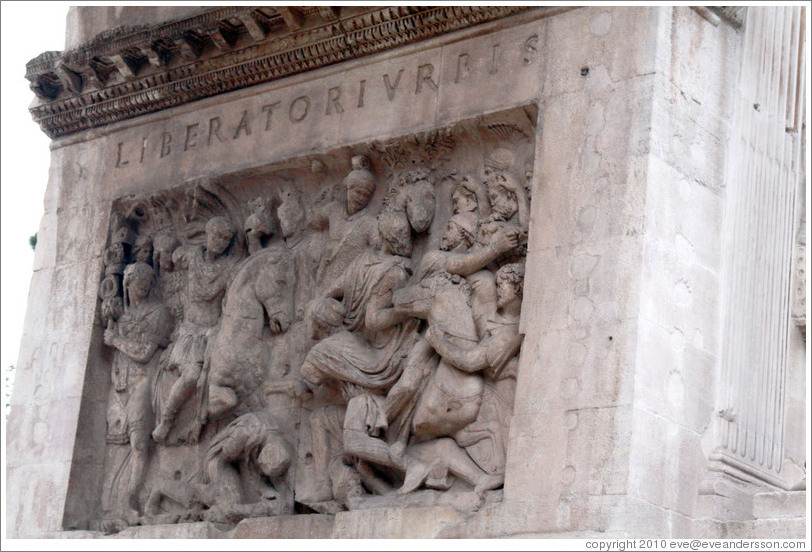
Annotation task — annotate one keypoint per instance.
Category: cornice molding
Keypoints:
(733, 15)
(127, 72)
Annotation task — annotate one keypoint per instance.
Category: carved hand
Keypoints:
(435, 335)
(278, 324)
(396, 452)
(298, 389)
(505, 240)
(509, 182)
(294, 388)
(110, 336)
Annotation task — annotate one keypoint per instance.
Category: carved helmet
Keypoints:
(360, 175)
(500, 159)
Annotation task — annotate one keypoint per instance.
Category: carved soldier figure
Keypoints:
(373, 332)
(368, 355)
(351, 227)
(209, 270)
(143, 328)
(305, 246)
(261, 443)
(495, 355)
(508, 198)
(142, 249)
(459, 253)
(240, 457)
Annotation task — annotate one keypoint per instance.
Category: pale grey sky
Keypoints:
(28, 29)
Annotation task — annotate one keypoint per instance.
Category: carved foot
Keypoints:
(320, 490)
(488, 483)
(133, 517)
(330, 507)
(416, 474)
(153, 505)
(221, 400)
(114, 525)
(168, 518)
(217, 514)
(160, 433)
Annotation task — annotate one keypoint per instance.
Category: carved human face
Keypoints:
(164, 247)
(357, 198)
(163, 259)
(291, 216)
(400, 242)
(506, 291)
(218, 238)
(143, 252)
(396, 234)
(138, 285)
(503, 202)
(452, 237)
(464, 200)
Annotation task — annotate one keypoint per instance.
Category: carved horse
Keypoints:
(259, 301)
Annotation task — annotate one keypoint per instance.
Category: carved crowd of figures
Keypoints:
(293, 352)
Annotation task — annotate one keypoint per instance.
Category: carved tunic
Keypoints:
(358, 354)
(208, 281)
(130, 408)
(349, 236)
(207, 286)
(494, 416)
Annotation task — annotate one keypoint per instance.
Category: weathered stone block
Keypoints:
(412, 272)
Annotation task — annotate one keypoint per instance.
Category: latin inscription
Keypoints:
(335, 100)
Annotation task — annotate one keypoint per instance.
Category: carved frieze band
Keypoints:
(128, 72)
(334, 334)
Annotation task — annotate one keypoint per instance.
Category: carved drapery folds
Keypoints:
(126, 72)
(332, 332)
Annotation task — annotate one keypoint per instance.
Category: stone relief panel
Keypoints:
(338, 331)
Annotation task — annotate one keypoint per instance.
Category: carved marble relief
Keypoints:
(338, 331)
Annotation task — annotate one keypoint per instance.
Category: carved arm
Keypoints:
(380, 314)
(468, 263)
(521, 200)
(469, 360)
(139, 352)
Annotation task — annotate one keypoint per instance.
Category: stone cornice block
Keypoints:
(127, 72)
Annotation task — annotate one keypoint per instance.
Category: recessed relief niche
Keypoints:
(338, 331)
